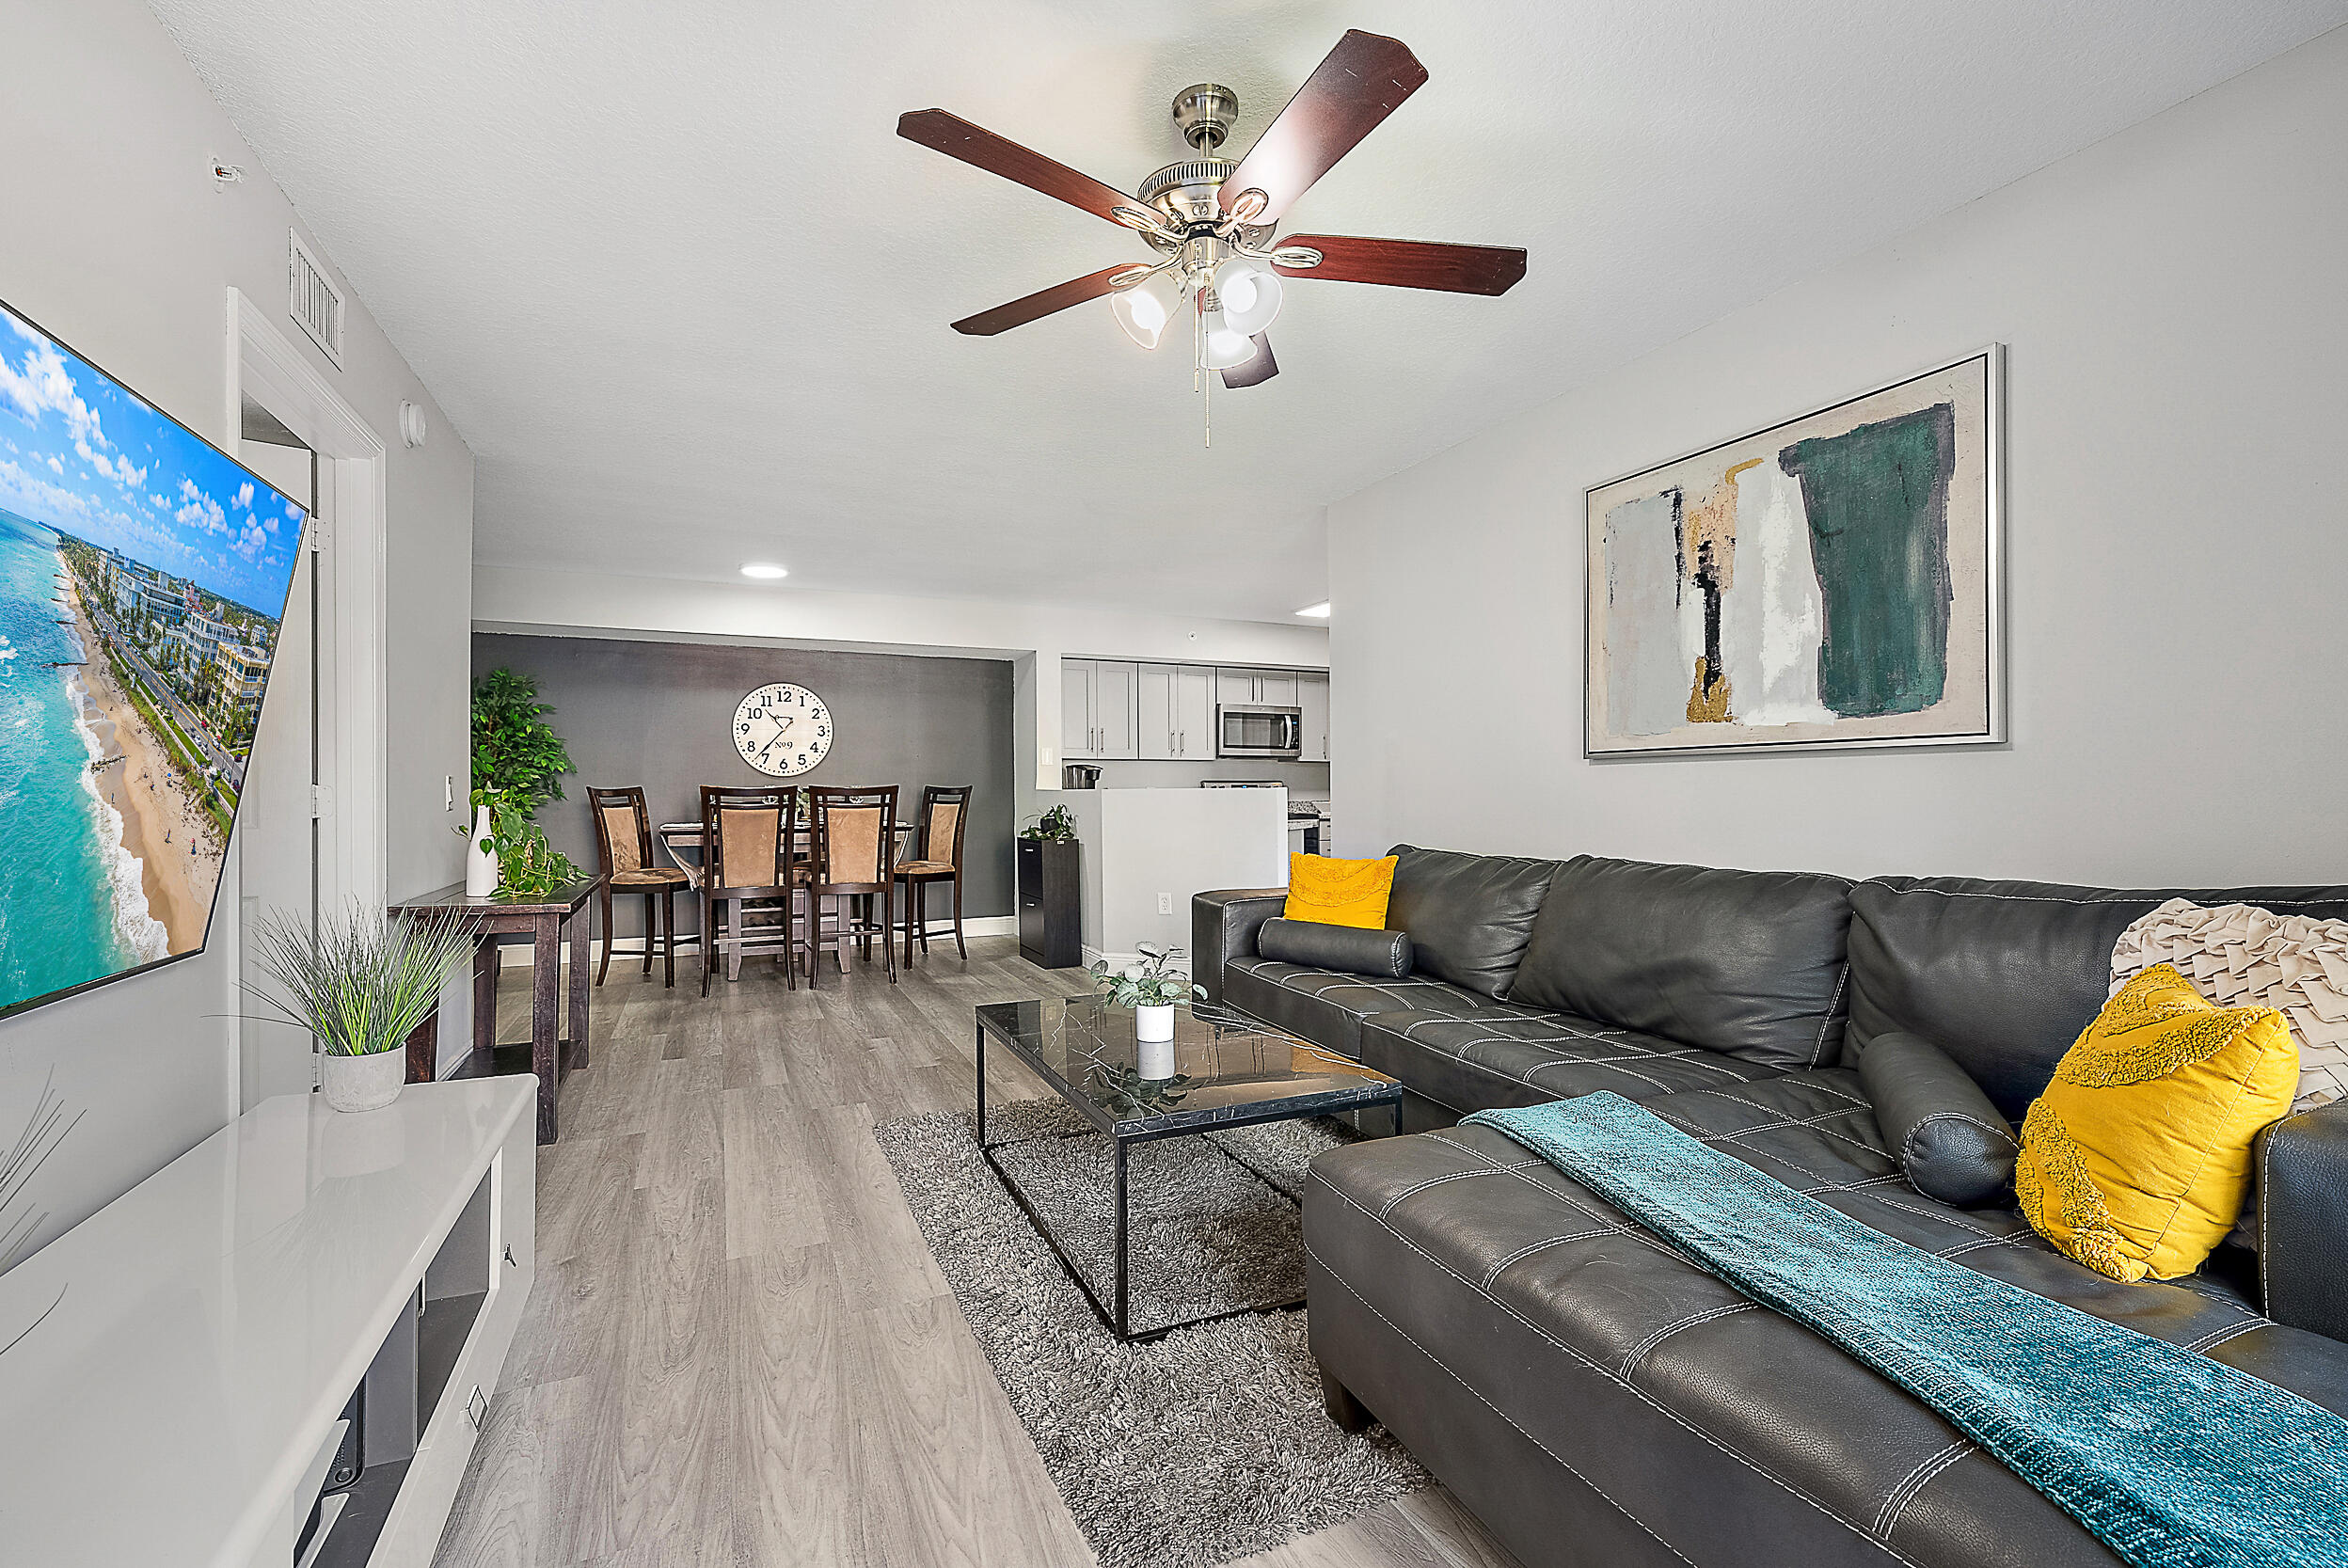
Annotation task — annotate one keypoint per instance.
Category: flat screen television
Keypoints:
(143, 577)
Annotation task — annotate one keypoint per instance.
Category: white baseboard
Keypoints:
(520, 953)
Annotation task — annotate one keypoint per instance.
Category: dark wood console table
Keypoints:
(546, 921)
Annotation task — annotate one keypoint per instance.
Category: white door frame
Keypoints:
(354, 856)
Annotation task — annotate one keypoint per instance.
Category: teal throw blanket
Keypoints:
(2173, 1460)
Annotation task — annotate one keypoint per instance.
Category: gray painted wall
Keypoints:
(118, 241)
(2177, 540)
(660, 714)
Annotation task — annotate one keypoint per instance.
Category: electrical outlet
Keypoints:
(1166, 903)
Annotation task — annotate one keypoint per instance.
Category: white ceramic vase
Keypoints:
(481, 865)
(363, 1083)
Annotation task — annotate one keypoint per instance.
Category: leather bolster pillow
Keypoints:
(1954, 1145)
(1384, 954)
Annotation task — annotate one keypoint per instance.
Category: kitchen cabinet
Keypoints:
(1312, 696)
(1194, 712)
(1076, 709)
(1153, 739)
(1113, 709)
(1176, 712)
(1261, 687)
(1097, 699)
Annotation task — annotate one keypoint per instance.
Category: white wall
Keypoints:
(1035, 637)
(2175, 302)
(117, 240)
(1139, 844)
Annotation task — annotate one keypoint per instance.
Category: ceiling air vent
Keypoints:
(316, 303)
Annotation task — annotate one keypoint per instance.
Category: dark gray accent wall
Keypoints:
(660, 714)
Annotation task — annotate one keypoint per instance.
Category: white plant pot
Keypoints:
(481, 865)
(363, 1083)
(1153, 1033)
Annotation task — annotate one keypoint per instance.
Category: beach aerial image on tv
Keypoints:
(143, 573)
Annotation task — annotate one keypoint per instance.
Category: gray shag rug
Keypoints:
(1207, 1445)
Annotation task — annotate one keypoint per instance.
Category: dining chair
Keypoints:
(854, 846)
(624, 850)
(746, 865)
(944, 812)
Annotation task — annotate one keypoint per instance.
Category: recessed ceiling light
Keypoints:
(1316, 612)
(763, 569)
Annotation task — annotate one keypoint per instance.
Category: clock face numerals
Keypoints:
(782, 730)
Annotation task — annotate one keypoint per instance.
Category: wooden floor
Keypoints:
(739, 1351)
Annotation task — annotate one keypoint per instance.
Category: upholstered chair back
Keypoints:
(623, 829)
(940, 840)
(854, 833)
(748, 834)
(619, 839)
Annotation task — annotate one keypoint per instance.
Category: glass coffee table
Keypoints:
(1231, 1071)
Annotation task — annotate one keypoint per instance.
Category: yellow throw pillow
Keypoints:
(1338, 892)
(2136, 1158)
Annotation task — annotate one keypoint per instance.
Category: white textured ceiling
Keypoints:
(685, 293)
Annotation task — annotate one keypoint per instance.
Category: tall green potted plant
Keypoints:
(518, 761)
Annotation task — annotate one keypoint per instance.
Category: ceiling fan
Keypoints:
(1212, 220)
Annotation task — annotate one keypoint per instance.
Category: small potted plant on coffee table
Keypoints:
(1153, 990)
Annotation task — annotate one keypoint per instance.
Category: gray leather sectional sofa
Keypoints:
(1591, 1397)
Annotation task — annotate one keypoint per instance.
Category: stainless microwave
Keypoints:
(1255, 729)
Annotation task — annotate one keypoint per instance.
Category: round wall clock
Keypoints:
(782, 730)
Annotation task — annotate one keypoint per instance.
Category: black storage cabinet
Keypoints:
(1051, 932)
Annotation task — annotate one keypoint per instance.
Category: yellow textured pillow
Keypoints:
(2136, 1158)
(1338, 892)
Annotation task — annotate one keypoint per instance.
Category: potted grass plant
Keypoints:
(360, 985)
(1153, 990)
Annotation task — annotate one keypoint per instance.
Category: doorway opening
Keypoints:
(310, 833)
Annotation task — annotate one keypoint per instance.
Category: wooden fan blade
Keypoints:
(1044, 302)
(1364, 79)
(982, 149)
(1262, 369)
(1460, 269)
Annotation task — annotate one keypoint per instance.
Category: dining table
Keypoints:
(685, 848)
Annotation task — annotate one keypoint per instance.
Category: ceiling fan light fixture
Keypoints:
(1145, 307)
(1251, 293)
(1221, 347)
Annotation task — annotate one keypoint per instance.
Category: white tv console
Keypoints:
(182, 1398)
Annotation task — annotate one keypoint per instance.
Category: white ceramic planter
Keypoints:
(363, 1083)
(481, 865)
(1153, 1032)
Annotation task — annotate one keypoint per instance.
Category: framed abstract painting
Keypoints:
(1831, 580)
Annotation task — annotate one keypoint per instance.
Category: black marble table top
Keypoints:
(1228, 1069)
